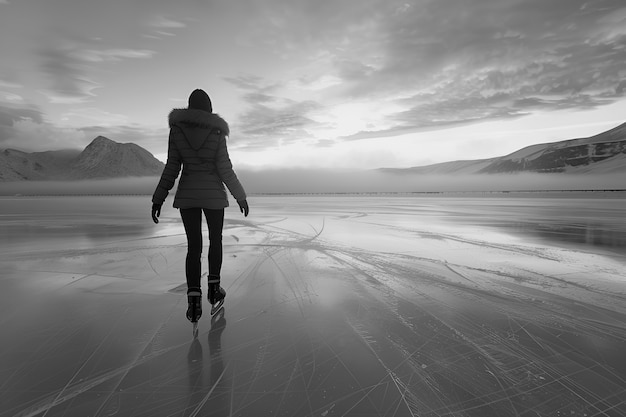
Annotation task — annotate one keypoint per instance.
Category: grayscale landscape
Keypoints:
(485, 304)
(436, 194)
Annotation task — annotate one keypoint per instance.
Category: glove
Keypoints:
(243, 207)
(156, 212)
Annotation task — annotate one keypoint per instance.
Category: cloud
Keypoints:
(9, 84)
(284, 123)
(87, 116)
(67, 74)
(91, 55)
(252, 83)
(10, 97)
(167, 23)
(450, 62)
(69, 67)
(270, 119)
(317, 83)
(353, 70)
(26, 129)
(30, 135)
(10, 115)
(163, 26)
(488, 60)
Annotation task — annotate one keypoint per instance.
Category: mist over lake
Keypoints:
(325, 181)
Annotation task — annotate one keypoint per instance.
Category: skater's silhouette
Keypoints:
(197, 143)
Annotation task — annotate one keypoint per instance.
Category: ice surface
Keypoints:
(488, 305)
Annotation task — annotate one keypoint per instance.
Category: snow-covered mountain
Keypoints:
(102, 158)
(600, 154)
(17, 165)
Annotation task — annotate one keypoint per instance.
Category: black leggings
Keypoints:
(192, 220)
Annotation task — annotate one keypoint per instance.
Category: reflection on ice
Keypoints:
(368, 306)
(592, 222)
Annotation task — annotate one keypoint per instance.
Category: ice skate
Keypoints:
(216, 294)
(194, 309)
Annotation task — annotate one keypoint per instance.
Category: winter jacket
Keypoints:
(197, 142)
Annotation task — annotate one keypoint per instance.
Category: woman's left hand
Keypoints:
(156, 212)
(243, 207)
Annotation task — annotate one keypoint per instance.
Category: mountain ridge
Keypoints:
(102, 158)
(603, 153)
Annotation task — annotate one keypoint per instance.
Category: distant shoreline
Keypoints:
(338, 194)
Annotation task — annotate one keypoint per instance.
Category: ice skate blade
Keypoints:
(217, 307)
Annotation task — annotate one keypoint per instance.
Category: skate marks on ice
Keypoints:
(331, 312)
(159, 373)
(436, 337)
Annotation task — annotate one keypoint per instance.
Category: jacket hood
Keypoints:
(197, 124)
(198, 118)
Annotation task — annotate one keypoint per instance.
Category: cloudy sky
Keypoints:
(315, 83)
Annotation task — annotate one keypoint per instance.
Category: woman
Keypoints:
(197, 142)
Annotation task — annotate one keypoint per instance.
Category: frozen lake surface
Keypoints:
(460, 305)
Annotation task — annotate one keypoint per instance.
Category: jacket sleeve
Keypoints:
(226, 172)
(170, 172)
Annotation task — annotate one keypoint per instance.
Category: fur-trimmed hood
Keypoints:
(198, 118)
(197, 125)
